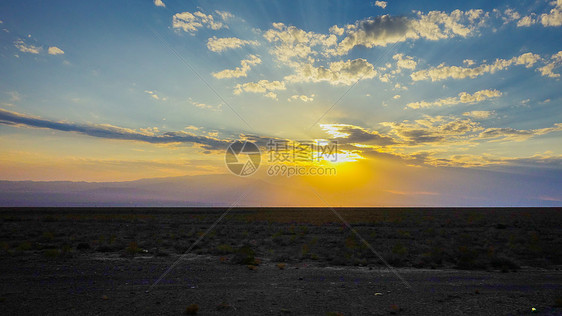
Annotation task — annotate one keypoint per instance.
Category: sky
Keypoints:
(447, 101)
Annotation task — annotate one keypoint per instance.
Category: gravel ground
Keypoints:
(102, 284)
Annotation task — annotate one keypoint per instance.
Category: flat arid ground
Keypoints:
(281, 261)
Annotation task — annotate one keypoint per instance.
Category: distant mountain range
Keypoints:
(206, 190)
(460, 188)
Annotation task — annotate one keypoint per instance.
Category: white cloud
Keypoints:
(400, 87)
(216, 108)
(303, 98)
(555, 61)
(53, 50)
(192, 22)
(554, 17)
(381, 4)
(406, 62)
(246, 65)
(479, 114)
(271, 95)
(396, 97)
(224, 15)
(339, 72)
(215, 44)
(159, 3)
(155, 96)
(292, 45)
(510, 15)
(442, 72)
(265, 87)
(337, 30)
(526, 21)
(462, 97)
(432, 130)
(27, 48)
(435, 25)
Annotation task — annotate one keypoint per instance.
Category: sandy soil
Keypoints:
(108, 284)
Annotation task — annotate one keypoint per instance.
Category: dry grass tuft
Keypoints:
(192, 309)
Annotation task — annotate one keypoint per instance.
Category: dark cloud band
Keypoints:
(110, 132)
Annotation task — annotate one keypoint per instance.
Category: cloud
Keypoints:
(246, 65)
(53, 50)
(192, 22)
(448, 130)
(555, 61)
(511, 134)
(554, 17)
(442, 72)
(396, 97)
(155, 96)
(381, 4)
(218, 45)
(510, 15)
(271, 95)
(386, 29)
(303, 98)
(111, 132)
(26, 48)
(216, 108)
(292, 45)
(526, 21)
(438, 129)
(462, 97)
(263, 86)
(225, 15)
(356, 135)
(337, 30)
(479, 114)
(159, 3)
(339, 72)
(405, 62)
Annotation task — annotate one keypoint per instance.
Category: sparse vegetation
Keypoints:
(500, 240)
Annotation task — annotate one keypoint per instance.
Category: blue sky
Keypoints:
(92, 90)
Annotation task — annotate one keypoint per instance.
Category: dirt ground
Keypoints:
(108, 284)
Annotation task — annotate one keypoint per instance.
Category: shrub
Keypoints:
(23, 246)
(51, 253)
(281, 266)
(244, 255)
(133, 248)
(558, 300)
(83, 246)
(48, 236)
(503, 263)
(224, 249)
(192, 309)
